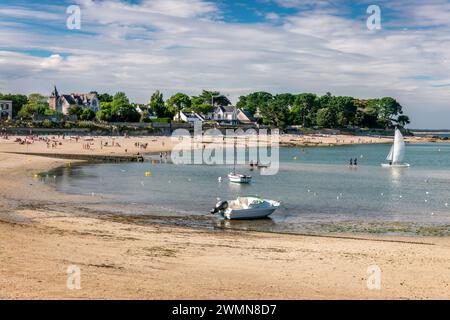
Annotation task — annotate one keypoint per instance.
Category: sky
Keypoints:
(236, 47)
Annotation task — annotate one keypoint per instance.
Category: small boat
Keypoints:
(397, 153)
(246, 208)
(236, 177)
(239, 178)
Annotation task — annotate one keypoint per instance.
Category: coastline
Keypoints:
(120, 259)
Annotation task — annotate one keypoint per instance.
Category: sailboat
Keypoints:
(397, 153)
(236, 177)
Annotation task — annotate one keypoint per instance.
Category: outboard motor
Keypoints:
(220, 206)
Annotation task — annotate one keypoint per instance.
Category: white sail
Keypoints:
(390, 155)
(398, 152)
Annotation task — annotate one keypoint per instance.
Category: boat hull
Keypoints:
(239, 178)
(248, 214)
(399, 165)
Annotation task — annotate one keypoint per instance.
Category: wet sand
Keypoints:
(43, 232)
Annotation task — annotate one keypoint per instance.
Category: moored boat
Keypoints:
(242, 208)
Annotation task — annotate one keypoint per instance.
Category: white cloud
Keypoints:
(52, 62)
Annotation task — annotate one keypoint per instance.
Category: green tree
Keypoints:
(87, 114)
(122, 110)
(75, 110)
(345, 110)
(402, 120)
(213, 98)
(304, 109)
(326, 118)
(178, 102)
(276, 112)
(158, 106)
(36, 105)
(104, 97)
(145, 116)
(105, 112)
(387, 109)
(201, 107)
(253, 101)
(18, 101)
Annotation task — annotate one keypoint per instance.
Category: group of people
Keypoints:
(141, 145)
(353, 162)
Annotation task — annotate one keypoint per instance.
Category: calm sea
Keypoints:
(318, 191)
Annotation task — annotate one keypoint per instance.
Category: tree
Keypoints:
(75, 110)
(105, 113)
(304, 109)
(213, 98)
(145, 116)
(326, 118)
(199, 106)
(276, 112)
(36, 105)
(87, 114)
(346, 110)
(386, 109)
(253, 101)
(104, 97)
(122, 110)
(403, 120)
(18, 101)
(157, 105)
(178, 102)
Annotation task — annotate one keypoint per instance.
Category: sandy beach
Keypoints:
(43, 232)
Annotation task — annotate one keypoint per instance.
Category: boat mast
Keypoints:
(235, 154)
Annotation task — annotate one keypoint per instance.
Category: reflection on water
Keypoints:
(317, 189)
(396, 174)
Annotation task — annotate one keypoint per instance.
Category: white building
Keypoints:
(227, 114)
(190, 117)
(6, 109)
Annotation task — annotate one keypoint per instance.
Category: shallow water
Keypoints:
(318, 191)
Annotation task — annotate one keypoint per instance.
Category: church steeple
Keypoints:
(55, 93)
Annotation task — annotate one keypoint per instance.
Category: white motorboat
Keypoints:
(246, 208)
(397, 153)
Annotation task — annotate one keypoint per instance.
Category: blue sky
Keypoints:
(233, 46)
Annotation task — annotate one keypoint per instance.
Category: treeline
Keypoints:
(281, 110)
(327, 111)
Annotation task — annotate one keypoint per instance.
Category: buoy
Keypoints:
(432, 213)
(295, 158)
(148, 174)
(219, 179)
(382, 194)
(426, 200)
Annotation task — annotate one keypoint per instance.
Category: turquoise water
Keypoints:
(318, 191)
